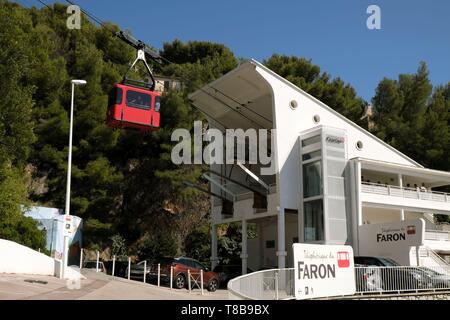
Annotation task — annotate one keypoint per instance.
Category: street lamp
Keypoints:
(69, 171)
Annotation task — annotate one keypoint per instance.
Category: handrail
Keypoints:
(275, 284)
(418, 190)
(437, 259)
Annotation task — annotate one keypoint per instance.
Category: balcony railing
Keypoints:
(437, 235)
(397, 191)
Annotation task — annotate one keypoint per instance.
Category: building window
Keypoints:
(316, 119)
(359, 145)
(312, 179)
(293, 104)
(309, 141)
(166, 86)
(314, 230)
(270, 244)
(311, 155)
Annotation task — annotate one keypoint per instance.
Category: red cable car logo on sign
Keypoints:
(343, 259)
(411, 230)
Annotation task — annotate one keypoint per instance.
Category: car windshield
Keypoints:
(388, 262)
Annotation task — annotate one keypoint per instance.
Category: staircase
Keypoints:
(429, 258)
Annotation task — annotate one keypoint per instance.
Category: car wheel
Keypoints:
(180, 281)
(212, 285)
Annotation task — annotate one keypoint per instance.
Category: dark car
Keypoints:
(181, 265)
(385, 274)
(228, 272)
(137, 270)
(438, 279)
(93, 265)
(375, 261)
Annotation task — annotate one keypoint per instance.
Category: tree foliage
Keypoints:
(335, 92)
(123, 182)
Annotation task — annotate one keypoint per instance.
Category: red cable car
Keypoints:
(134, 107)
(135, 104)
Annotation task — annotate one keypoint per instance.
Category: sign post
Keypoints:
(67, 232)
(323, 271)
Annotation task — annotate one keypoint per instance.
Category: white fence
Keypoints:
(401, 279)
(278, 284)
(274, 284)
(396, 191)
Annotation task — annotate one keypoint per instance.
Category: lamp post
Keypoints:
(69, 171)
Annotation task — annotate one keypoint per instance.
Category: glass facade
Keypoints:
(314, 230)
(312, 179)
(324, 171)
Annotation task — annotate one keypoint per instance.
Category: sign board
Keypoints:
(393, 234)
(323, 270)
(68, 226)
(392, 239)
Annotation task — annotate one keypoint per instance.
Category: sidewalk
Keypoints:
(97, 286)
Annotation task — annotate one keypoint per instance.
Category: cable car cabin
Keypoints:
(133, 107)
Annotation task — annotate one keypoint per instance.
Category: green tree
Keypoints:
(334, 92)
(412, 119)
(16, 125)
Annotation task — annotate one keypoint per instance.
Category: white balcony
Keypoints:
(407, 198)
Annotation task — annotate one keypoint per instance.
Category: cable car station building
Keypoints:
(332, 179)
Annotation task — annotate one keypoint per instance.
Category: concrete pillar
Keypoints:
(400, 184)
(260, 231)
(214, 259)
(281, 253)
(244, 255)
(358, 218)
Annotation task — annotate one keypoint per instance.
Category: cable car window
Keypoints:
(138, 100)
(115, 96)
(157, 103)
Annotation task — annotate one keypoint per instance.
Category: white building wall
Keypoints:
(15, 258)
(289, 122)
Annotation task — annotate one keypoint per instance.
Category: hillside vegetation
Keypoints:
(124, 184)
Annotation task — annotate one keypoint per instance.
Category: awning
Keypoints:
(239, 99)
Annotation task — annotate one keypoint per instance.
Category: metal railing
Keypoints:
(401, 279)
(396, 191)
(274, 284)
(278, 284)
(437, 235)
(427, 252)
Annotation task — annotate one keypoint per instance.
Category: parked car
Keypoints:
(439, 280)
(181, 265)
(375, 261)
(385, 274)
(93, 265)
(120, 268)
(137, 270)
(228, 272)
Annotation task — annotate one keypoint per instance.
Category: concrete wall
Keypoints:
(15, 258)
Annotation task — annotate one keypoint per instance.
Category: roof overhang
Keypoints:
(240, 99)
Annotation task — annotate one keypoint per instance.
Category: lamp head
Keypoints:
(79, 82)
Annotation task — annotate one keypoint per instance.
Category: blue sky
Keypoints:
(333, 34)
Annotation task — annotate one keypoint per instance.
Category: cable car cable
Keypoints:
(43, 3)
(101, 23)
